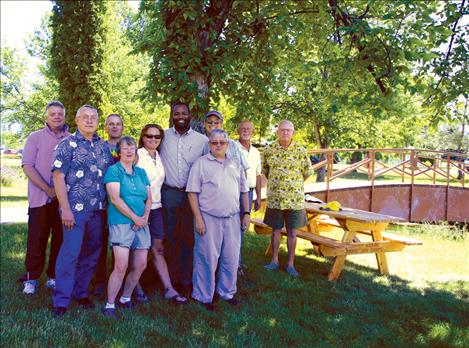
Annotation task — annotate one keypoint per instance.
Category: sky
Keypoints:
(18, 19)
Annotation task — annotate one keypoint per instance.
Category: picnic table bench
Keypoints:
(352, 222)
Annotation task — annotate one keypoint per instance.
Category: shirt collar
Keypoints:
(122, 169)
(189, 131)
(145, 152)
(292, 145)
(49, 130)
(212, 158)
(82, 138)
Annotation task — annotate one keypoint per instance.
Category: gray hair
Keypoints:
(219, 132)
(86, 106)
(55, 103)
(113, 115)
(127, 140)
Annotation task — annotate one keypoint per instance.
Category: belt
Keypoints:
(182, 189)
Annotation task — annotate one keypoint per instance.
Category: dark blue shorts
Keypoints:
(156, 224)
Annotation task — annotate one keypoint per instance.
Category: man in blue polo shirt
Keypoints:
(79, 164)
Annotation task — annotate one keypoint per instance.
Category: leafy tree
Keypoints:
(12, 69)
(79, 30)
(202, 49)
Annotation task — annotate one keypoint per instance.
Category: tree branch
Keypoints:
(448, 52)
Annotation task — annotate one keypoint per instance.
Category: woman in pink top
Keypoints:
(149, 142)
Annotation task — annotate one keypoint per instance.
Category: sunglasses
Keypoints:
(154, 136)
(215, 143)
(213, 123)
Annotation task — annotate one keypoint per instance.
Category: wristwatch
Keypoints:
(247, 213)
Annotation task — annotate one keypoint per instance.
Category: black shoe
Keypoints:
(109, 312)
(85, 303)
(127, 305)
(232, 302)
(58, 311)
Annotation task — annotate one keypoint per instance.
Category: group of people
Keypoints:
(183, 195)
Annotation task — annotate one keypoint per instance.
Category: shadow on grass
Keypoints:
(362, 309)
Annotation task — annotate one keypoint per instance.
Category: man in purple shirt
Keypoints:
(214, 186)
(43, 206)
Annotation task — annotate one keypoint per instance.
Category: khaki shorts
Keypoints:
(291, 219)
(124, 236)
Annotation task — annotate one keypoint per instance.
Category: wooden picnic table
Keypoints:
(352, 222)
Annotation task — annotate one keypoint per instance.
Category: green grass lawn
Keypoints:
(15, 195)
(424, 303)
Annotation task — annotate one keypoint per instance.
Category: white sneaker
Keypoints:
(50, 284)
(30, 287)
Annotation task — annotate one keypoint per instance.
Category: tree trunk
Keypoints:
(323, 143)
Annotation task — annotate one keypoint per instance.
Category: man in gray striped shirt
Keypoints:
(181, 147)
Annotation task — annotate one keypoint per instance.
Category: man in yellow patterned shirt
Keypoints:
(286, 166)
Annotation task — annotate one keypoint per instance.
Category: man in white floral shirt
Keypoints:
(79, 164)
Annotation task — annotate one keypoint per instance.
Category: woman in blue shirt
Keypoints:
(129, 194)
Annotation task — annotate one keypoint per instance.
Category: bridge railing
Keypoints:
(399, 164)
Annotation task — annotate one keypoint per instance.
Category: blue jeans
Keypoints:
(179, 235)
(241, 212)
(78, 257)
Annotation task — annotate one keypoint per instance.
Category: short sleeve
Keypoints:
(259, 164)
(194, 182)
(63, 153)
(242, 159)
(113, 174)
(243, 187)
(30, 151)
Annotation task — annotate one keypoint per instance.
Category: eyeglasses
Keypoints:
(215, 143)
(154, 136)
(213, 123)
(89, 117)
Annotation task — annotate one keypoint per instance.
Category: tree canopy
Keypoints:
(348, 73)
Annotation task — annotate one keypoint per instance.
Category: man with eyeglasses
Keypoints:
(181, 147)
(214, 187)
(214, 120)
(286, 166)
(78, 167)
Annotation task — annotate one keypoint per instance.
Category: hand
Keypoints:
(245, 222)
(68, 220)
(51, 192)
(139, 222)
(199, 226)
(257, 204)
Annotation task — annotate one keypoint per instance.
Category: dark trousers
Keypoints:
(179, 235)
(42, 222)
(101, 274)
(78, 257)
